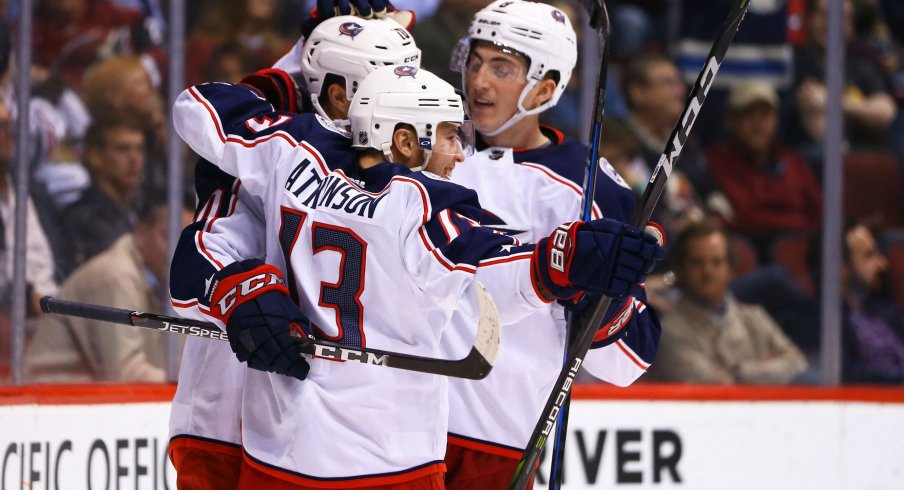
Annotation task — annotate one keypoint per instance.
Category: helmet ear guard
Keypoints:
(541, 33)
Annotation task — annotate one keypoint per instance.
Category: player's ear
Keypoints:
(405, 145)
(541, 93)
(338, 101)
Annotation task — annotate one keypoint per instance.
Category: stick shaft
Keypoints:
(599, 19)
(473, 366)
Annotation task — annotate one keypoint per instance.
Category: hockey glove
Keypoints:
(617, 317)
(277, 87)
(262, 321)
(365, 9)
(600, 256)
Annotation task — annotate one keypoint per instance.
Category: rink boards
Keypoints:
(644, 437)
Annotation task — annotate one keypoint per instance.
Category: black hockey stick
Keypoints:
(476, 365)
(599, 21)
(667, 160)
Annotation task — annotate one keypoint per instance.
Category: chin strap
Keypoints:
(522, 112)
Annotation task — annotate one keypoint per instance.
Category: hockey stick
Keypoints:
(599, 21)
(667, 160)
(476, 365)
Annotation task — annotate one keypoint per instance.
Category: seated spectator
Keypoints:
(70, 35)
(123, 84)
(770, 188)
(868, 107)
(655, 94)
(114, 156)
(709, 337)
(873, 326)
(39, 270)
(131, 274)
(255, 24)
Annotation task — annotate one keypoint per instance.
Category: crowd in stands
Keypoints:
(739, 295)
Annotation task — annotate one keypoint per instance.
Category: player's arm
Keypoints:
(239, 127)
(601, 256)
(627, 340)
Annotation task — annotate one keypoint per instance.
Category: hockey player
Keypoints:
(375, 255)
(516, 61)
(205, 418)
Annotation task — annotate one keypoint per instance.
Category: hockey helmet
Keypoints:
(405, 94)
(352, 47)
(540, 32)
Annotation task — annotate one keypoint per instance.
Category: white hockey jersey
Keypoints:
(206, 410)
(380, 257)
(527, 193)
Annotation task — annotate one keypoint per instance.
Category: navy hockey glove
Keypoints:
(262, 321)
(617, 317)
(365, 9)
(277, 87)
(600, 256)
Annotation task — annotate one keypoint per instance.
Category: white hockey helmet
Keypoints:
(393, 95)
(540, 32)
(352, 47)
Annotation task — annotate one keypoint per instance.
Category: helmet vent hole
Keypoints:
(376, 126)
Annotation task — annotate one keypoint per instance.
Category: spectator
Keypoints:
(873, 326)
(655, 94)
(130, 274)
(39, 271)
(709, 337)
(123, 84)
(114, 156)
(770, 188)
(868, 108)
(251, 23)
(71, 35)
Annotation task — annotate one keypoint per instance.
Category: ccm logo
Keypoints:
(246, 288)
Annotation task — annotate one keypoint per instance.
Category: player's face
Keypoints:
(447, 150)
(495, 78)
(706, 269)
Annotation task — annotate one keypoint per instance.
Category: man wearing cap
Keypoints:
(770, 188)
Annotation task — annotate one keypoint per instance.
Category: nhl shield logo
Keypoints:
(350, 29)
(558, 16)
(405, 71)
(362, 137)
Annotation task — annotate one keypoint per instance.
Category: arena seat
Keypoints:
(873, 190)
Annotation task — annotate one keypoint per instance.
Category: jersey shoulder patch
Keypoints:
(613, 174)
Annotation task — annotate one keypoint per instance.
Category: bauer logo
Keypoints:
(558, 16)
(350, 29)
(405, 71)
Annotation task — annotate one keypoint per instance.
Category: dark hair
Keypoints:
(329, 79)
(96, 135)
(681, 246)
